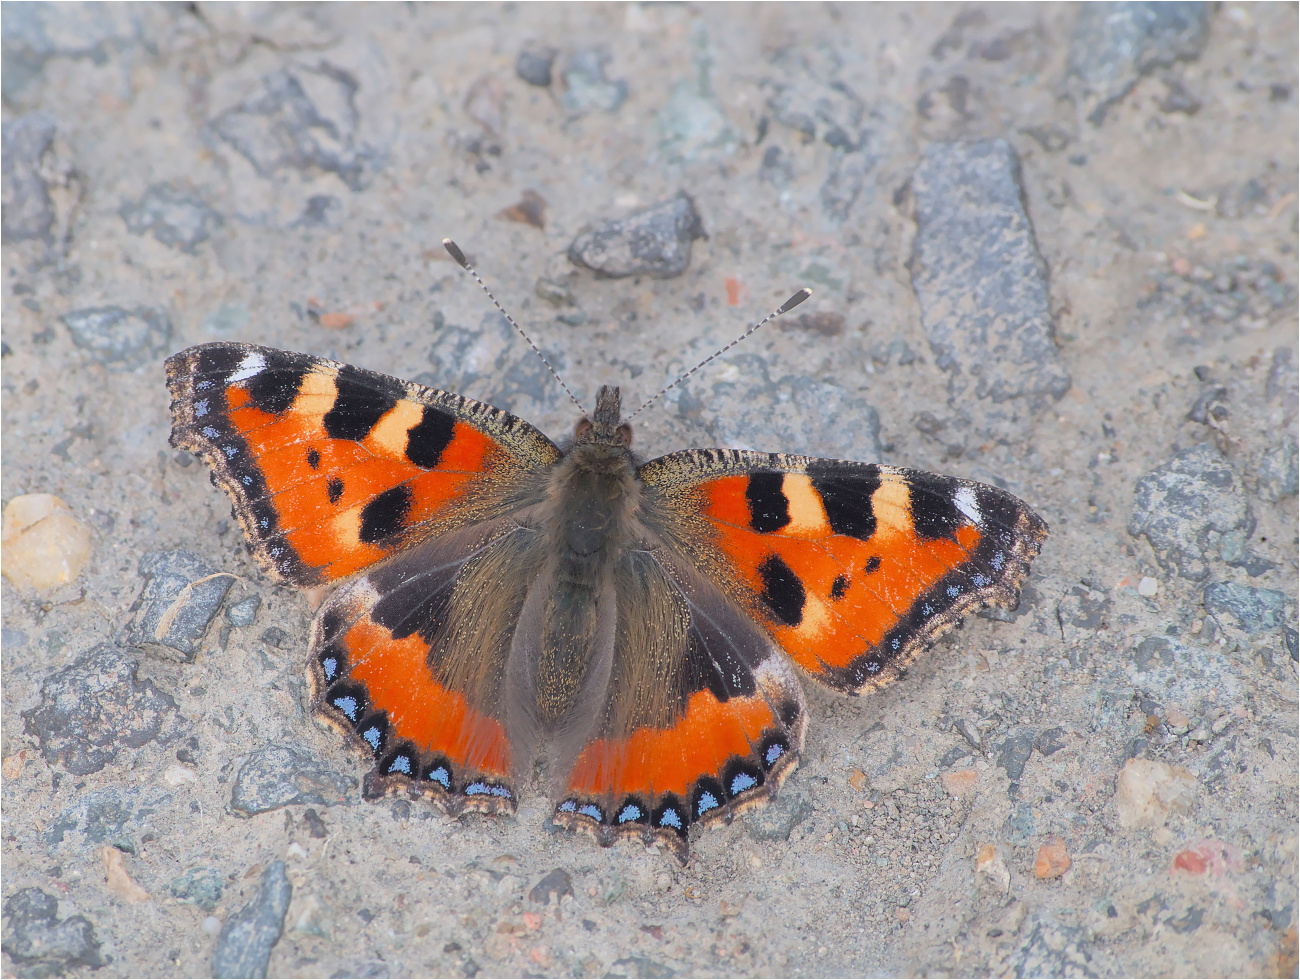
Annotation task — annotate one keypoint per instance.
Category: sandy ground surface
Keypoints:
(1051, 249)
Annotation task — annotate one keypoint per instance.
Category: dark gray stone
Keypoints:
(246, 940)
(244, 612)
(27, 210)
(654, 241)
(280, 776)
(1115, 44)
(1190, 508)
(979, 277)
(1014, 752)
(314, 824)
(587, 88)
(115, 335)
(35, 935)
(954, 755)
(558, 882)
(779, 816)
(303, 118)
(93, 708)
(534, 66)
(179, 219)
(1255, 610)
(1020, 825)
(201, 886)
(1050, 741)
(182, 595)
(106, 815)
(1279, 475)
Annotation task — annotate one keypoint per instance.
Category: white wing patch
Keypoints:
(968, 505)
(252, 364)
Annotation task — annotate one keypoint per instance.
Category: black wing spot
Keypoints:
(872, 564)
(769, 510)
(934, 506)
(219, 360)
(847, 500)
(362, 399)
(426, 440)
(386, 514)
(274, 388)
(313, 459)
(782, 593)
(335, 489)
(839, 587)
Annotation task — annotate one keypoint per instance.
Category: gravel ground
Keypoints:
(1053, 248)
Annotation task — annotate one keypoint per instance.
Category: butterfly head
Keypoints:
(605, 426)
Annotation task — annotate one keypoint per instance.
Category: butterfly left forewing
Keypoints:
(852, 567)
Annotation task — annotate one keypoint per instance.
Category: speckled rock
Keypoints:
(246, 940)
(47, 945)
(654, 241)
(181, 597)
(279, 776)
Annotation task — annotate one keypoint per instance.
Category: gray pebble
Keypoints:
(280, 776)
(558, 882)
(1014, 752)
(246, 940)
(93, 708)
(177, 218)
(1020, 825)
(201, 886)
(1189, 505)
(1114, 44)
(1050, 741)
(534, 66)
(654, 241)
(587, 88)
(243, 612)
(182, 595)
(314, 824)
(776, 819)
(1279, 475)
(979, 277)
(28, 211)
(114, 335)
(36, 936)
(1255, 610)
(12, 640)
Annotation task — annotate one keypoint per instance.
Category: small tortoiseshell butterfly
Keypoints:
(497, 592)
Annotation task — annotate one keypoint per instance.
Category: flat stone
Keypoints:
(114, 335)
(586, 86)
(1279, 475)
(182, 595)
(35, 935)
(246, 940)
(1255, 610)
(775, 819)
(109, 815)
(979, 277)
(200, 886)
(178, 218)
(654, 241)
(92, 709)
(1190, 507)
(1050, 741)
(534, 66)
(558, 882)
(1014, 752)
(243, 612)
(1115, 44)
(27, 210)
(280, 776)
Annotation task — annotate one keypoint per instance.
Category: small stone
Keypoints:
(1053, 859)
(1014, 752)
(35, 935)
(201, 885)
(990, 866)
(42, 545)
(1184, 504)
(280, 776)
(337, 320)
(114, 335)
(858, 780)
(314, 824)
(119, 880)
(1279, 474)
(1176, 721)
(182, 595)
(779, 817)
(93, 708)
(1254, 610)
(1114, 44)
(28, 211)
(1148, 791)
(313, 916)
(177, 776)
(179, 219)
(962, 782)
(247, 938)
(1050, 741)
(1148, 586)
(534, 66)
(243, 612)
(654, 241)
(557, 883)
(212, 925)
(554, 292)
(276, 637)
(1189, 861)
(587, 88)
(530, 209)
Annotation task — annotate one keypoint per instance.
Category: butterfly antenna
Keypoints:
(454, 251)
(785, 307)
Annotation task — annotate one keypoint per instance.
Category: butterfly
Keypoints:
(647, 622)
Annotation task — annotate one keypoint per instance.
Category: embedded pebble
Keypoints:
(586, 86)
(1053, 859)
(654, 241)
(280, 776)
(1148, 586)
(42, 545)
(28, 212)
(179, 219)
(1014, 752)
(247, 938)
(557, 883)
(200, 885)
(1253, 610)
(119, 880)
(114, 335)
(534, 66)
(34, 935)
(774, 821)
(1279, 475)
(243, 612)
(1147, 791)
(212, 925)
(990, 866)
(182, 595)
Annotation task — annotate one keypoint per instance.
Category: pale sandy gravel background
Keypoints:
(1157, 227)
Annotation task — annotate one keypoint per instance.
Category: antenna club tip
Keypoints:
(794, 300)
(454, 251)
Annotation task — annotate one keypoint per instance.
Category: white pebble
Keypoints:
(212, 925)
(1147, 586)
